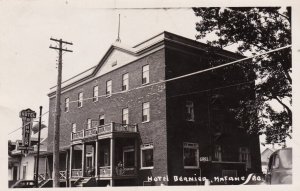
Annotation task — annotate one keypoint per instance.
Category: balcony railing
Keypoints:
(90, 132)
(76, 172)
(105, 171)
(104, 129)
(77, 135)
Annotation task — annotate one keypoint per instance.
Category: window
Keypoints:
(145, 76)
(95, 93)
(190, 155)
(146, 112)
(147, 156)
(108, 88)
(80, 99)
(74, 128)
(128, 156)
(125, 116)
(125, 82)
(245, 156)
(67, 104)
(218, 153)
(89, 123)
(189, 111)
(101, 120)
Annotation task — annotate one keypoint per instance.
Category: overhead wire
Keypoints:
(171, 79)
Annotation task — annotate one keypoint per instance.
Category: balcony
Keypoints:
(103, 130)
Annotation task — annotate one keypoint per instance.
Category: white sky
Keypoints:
(26, 28)
(28, 65)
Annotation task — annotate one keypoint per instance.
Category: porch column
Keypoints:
(83, 159)
(67, 155)
(96, 158)
(112, 160)
(71, 164)
(135, 154)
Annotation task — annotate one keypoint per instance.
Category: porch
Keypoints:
(106, 152)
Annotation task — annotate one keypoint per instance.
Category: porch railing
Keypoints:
(104, 129)
(105, 171)
(63, 175)
(126, 171)
(76, 172)
(41, 176)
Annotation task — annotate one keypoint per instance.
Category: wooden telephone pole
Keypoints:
(56, 182)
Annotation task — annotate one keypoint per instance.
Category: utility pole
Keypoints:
(56, 175)
(38, 149)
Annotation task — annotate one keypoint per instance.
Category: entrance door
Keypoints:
(15, 173)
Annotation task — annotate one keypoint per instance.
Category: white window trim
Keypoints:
(148, 74)
(67, 103)
(191, 146)
(123, 114)
(89, 123)
(146, 147)
(148, 118)
(100, 117)
(96, 97)
(110, 93)
(80, 99)
(123, 79)
(74, 125)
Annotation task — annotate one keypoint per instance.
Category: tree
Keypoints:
(256, 30)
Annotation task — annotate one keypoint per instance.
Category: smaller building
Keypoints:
(22, 167)
(265, 155)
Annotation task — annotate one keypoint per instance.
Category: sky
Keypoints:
(28, 65)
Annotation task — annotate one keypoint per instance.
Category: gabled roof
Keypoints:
(136, 52)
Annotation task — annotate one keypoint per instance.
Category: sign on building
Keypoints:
(27, 116)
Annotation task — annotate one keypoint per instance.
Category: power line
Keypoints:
(179, 77)
(187, 75)
(26, 124)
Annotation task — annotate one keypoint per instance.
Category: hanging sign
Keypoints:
(27, 116)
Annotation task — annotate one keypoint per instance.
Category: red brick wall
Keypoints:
(153, 131)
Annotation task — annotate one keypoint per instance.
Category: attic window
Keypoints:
(113, 63)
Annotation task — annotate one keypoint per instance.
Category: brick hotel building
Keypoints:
(135, 127)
